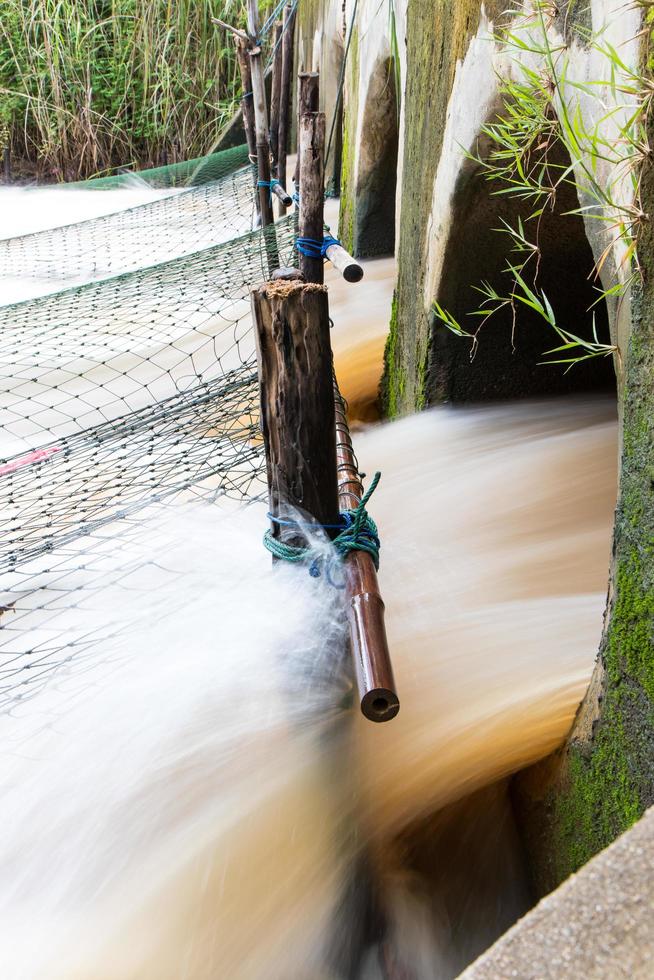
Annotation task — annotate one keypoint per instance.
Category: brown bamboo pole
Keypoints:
(365, 606)
(311, 143)
(291, 320)
(275, 97)
(285, 92)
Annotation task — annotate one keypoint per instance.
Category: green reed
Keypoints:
(90, 85)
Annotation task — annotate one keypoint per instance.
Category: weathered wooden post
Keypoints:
(310, 462)
(307, 101)
(285, 93)
(297, 403)
(247, 106)
(311, 152)
(311, 148)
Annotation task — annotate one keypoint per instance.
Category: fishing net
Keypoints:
(186, 173)
(116, 397)
(121, 399)
(216, 206)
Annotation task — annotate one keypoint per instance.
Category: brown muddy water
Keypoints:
(203, 801)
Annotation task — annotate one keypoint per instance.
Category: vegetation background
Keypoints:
(90, 85)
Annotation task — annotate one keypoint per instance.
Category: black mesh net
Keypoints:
(171, 226)
(118, 397)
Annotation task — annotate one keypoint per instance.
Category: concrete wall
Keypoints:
(447, 60)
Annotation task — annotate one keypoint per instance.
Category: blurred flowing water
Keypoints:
(203, 801)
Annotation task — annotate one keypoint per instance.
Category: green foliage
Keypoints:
(542, 108)
(88, 85)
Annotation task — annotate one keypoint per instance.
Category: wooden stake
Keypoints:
(297, 403)
(247, 105)
(285, 92)
(349, 268)
(308, 98)
(261, 135)
(275, 96)
(365, 606)
(260, 117)
(311, 144)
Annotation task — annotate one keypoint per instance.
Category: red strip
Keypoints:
(35, 457)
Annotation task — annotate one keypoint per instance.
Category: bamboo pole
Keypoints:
(311, 145)
(365, 606)
(297, 404)
(348, 267)
(285, 92)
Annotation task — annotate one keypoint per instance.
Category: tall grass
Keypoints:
(89, 85)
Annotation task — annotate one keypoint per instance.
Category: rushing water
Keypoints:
(202, 801)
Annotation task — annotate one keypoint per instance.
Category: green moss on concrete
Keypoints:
(438, 34)
(603, 780)
(393, 382)
(350, 112)
(610, 783)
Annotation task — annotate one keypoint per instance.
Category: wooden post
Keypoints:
(297, 403)
(349, 268)
(247, 110)
(247, 105)
(311, 144)
(260, 116)
(365, 606)
(285, 92)
(261, 133)
(308, 98)
(275, 96)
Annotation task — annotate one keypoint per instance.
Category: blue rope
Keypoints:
(358, 533)
(268, 183)
(314, 249)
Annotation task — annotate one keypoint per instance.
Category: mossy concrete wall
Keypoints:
(601, 781)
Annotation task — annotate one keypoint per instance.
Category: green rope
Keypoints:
(359, 533)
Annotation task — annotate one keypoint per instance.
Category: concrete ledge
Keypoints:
(599, 924)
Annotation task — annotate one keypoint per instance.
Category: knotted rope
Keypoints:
(315, 249)
(358, 533)
(268, 183)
